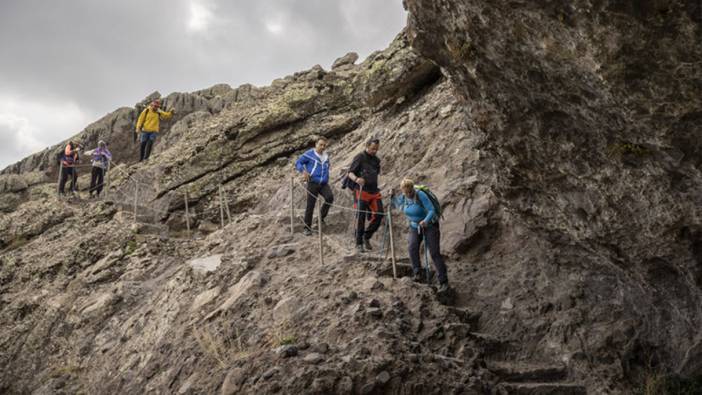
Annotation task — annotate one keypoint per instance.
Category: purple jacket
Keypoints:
(100, 157)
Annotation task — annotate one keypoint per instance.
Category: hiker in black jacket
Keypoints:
(364, 172)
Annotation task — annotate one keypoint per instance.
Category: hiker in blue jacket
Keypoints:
(424, 225)
(314, 166)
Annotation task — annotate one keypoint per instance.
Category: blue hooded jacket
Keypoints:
(317, 167)
(417, 209)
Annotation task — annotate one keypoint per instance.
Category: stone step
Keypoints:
(466, 316)
(523, 372)
(541, 389)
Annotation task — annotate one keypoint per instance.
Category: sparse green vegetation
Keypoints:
(130, 247)
(218, 347)
(628, 148)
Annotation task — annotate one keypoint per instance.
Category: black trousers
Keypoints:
(375, 220)
(67, 172)
(315, 189)
(431, 235)
(96, 180)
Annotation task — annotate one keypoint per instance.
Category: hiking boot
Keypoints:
(443, 288)
(307, 232)
(417, 278)
(359, 248)
(367, 245)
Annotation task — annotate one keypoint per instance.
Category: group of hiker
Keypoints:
(100, 159)
(418, 204)
(147, 127)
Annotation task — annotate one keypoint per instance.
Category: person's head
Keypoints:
(102, 144)
(321, 144)
(407, 187)
(156, 104)
(372, 146)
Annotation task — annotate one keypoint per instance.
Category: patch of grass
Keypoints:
(130, 247)
(628, 148)
(218, 347)
(281, 335)
(286, 340)
(65, 370)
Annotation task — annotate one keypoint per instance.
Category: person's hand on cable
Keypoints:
(360, 181)
(422, 224)
(305, 176)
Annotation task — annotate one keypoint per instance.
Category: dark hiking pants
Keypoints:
(375, 219)
(67, 172)
(96, 180)
(315, 189)
(431, 235)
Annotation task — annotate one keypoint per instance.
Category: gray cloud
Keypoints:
(97, 56)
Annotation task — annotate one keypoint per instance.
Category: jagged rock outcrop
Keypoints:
(569, 191)
(589, 112)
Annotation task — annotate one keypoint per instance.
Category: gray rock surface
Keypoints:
(560, 139)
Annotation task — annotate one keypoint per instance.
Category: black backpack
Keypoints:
(347, 183)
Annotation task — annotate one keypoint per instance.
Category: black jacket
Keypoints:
(368, 168)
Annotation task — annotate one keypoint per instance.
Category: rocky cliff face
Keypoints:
(591, 112)
(561, 141)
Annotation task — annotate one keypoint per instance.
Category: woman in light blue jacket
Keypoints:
(424, 225)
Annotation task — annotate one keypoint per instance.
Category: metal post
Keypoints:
(319, 229)
(58, 183)
(221, 207)
(392, 242)
(136, 196)
(226, 209)
(292, 204)
(187, 213)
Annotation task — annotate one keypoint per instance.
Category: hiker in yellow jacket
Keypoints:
(148, 126)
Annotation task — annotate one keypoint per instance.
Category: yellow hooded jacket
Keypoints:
(150, 120)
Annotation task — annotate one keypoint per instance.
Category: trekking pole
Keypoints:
(187, 212)
(427, 269)
(358, 211)
(58, 183)
(319, 228)
(292, 204)
(226, 206)
(392, 243)
(385, 234)
(221, 208)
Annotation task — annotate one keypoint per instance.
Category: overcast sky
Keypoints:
(67, 63)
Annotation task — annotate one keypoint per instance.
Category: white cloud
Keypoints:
(27, 126)
(274, 27)
(201, 16)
